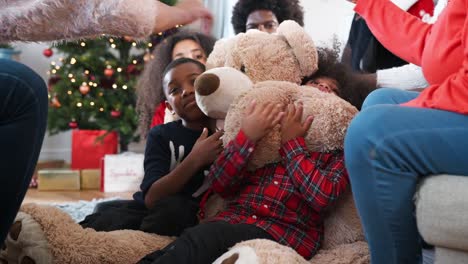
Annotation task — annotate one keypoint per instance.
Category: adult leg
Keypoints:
(204, 243)
(388, 148)
(23, 117)
(388, 96)
(123, 214)
(170, 216)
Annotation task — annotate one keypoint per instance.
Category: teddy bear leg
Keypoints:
(15, 230)
(231, 260)
(14, 233)
(26, 243)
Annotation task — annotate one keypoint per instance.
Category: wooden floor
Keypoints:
(35, 196)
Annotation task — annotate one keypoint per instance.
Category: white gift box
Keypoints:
(122, 172)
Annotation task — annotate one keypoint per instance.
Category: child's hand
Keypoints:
(292, 126)
(260, 119)
(207, 148)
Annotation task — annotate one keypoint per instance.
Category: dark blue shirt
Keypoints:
(367, 54)
(166, 147)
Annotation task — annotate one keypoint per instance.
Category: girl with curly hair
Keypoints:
(265, 15)
(335, 77)
(150, 102)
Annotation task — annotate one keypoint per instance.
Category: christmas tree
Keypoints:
(92, 86)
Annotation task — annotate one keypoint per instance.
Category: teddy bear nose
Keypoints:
(207, 84)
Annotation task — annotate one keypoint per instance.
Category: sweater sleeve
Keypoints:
(400, 32)
(405, 77)
(451, 94)
(45, 20)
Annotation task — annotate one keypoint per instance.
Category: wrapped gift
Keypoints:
(122, 173)
(59, 180)
(90, 179)
(45, 164)
(90, 146)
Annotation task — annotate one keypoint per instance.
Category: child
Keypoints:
(175, 158)
(335, 77)
(283, 202)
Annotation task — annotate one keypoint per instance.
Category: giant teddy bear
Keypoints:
(249, 66)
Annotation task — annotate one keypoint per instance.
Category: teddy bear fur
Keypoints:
(45, 235)
(253, 65)
(269, 68)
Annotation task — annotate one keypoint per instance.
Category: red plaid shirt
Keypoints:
(285, 199)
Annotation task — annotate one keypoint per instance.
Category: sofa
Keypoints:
(442, 216)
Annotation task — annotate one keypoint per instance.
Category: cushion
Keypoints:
(442, 211)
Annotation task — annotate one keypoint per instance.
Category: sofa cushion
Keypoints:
(442, 211)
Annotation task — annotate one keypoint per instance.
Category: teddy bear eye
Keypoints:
(242, 68)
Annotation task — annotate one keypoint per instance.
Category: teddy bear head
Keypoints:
(288, 55)
(237, 63)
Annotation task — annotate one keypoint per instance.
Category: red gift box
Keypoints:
(90, 146)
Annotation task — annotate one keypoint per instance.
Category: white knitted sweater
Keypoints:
(408, 76)
(44, 20)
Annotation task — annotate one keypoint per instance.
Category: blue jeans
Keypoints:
(388, 149)
(23, 117)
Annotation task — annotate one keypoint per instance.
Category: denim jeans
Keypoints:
(388, 149)
(23, 117)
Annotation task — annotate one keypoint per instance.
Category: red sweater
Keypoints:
(440, 49)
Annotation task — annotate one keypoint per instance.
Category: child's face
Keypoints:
(324, 84)
(180, 93)
(188, 48)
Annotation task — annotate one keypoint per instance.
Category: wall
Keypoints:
(323, 19)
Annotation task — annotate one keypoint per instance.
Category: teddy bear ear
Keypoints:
(221, 54)
(302, 44)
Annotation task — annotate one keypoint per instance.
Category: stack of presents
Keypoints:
(95, 165)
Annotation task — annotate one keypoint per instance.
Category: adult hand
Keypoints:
(183, 13)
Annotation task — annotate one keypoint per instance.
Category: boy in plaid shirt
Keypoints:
(283, 202)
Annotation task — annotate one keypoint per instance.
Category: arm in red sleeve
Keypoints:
(319, 177)
(229, 169)
(400, 32)
(451, 94)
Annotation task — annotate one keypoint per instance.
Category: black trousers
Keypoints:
(169, 217)
(204, 243)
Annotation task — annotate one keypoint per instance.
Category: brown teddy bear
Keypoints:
(249, 66)
(270, 68)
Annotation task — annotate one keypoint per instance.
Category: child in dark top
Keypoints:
(176, 157)
(283, 201)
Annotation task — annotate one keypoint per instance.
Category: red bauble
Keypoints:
(131, 68)
(52, 81)
(48, 53)
(55, 102)
(115, 113)
(84, 89)
(128, 38)
(73, 125)
(108, 72)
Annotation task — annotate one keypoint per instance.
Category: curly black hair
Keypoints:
(351, 88)
(149, 87)
(283, 10)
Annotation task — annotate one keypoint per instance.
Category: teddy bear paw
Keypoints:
(238, 255)
(25, 243)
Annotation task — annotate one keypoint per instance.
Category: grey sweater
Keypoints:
(44, 20)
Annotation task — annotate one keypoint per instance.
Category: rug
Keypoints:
(79, 210)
